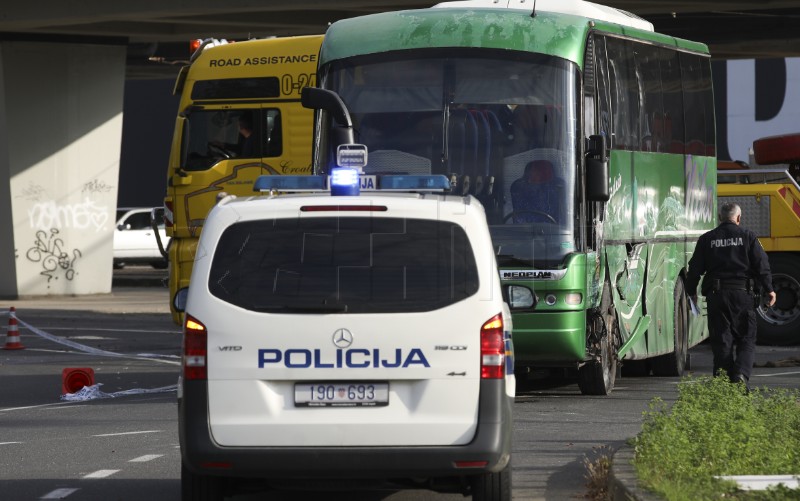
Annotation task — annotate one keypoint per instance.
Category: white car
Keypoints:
(135, 241)
(345, 341)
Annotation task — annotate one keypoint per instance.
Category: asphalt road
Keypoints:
(125, 446)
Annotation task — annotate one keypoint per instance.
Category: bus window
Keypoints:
(624, 94)
(673, 101)
(693, 94)
(652, 106)
(604, 115)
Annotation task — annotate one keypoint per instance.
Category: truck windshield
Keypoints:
(502, 125)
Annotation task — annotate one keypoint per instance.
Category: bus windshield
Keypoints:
(500, 124)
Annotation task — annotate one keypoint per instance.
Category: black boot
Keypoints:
(739, 378)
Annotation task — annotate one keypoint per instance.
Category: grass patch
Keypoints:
(717, 428)
(597, 470)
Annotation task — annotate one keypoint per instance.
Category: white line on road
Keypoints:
(41, 406)
(102, 329)
(144, 459)
(59, 493)
(101, 474)
(777, 374)
(128, 433)
(9, 443)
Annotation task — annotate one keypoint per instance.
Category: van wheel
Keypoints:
(674, 364)
(492, 486)
(200, 487)
(597, 375)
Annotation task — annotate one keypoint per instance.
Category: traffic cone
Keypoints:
(75, 378)
(12, 339)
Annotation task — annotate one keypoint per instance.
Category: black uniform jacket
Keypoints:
(728, 252)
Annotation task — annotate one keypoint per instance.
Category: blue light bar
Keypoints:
(414, 183)
(345, 182)
(290, 183)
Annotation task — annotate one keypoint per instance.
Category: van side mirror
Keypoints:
(597, 175)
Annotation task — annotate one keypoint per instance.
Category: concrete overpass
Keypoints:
(64, 66)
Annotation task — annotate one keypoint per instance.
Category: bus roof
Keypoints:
(485, 24)
(580, 8)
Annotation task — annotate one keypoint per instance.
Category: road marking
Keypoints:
(777, 374)
(101, 329)
(144, 459)
(9, 443)
(101, 474)
(86, 349)
(59, 493)
(127, 433)
(41, 406)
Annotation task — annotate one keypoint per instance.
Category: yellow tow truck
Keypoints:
(770, 202)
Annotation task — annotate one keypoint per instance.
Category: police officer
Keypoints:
(735, 268)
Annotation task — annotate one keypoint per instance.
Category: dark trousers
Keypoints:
(732, 328)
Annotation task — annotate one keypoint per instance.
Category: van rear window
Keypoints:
(343, 265)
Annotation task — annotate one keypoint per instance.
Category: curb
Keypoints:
(622, 482)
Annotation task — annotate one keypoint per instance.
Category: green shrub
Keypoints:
(718, 428)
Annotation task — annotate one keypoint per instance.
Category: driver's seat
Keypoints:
(538, 195)
(534, 189)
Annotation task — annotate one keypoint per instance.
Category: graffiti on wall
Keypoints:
(54, 257)
(96, 186)
(86, 215)
(52, 223)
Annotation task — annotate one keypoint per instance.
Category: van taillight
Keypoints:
(195, 348)
(493, 349)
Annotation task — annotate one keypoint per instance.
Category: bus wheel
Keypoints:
(780, 324)
(674, 364)
(597, 375)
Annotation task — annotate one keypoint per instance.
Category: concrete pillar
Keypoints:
(60, 136)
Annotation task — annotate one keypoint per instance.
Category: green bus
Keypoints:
(588, 138)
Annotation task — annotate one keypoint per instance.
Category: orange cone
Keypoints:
(12, 339)
(73, 379)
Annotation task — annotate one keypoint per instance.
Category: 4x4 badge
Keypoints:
(342, 338)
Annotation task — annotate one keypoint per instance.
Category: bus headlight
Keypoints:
(521, 298)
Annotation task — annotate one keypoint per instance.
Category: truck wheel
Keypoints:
(780, 324)
(597, 376)
(674, 364)
(492, 486)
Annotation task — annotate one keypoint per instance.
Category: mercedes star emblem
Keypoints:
(342, 338)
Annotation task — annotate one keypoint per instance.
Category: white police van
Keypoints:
(354, 340)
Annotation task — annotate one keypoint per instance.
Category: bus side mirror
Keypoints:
(341, 132)
(597, 175)
(324, 99)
